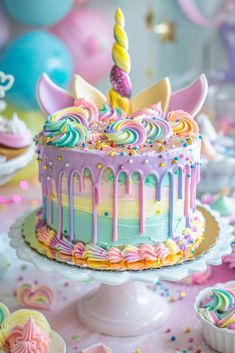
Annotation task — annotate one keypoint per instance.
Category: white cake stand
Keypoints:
(122, 305)
(9, 168)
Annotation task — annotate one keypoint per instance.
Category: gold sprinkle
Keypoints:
(45, 167)
(162, 164)
(158, 211)
(112, 153)
(187, 330)
(161, 148)
(99, 166)
(174, 161)
(59, 158)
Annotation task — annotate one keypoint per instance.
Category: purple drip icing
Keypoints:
(79, 160)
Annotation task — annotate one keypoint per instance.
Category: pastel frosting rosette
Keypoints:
(88, 111)
(67, 127)
(154, 123)
(108, 114)
(127, 132)
(183, 124)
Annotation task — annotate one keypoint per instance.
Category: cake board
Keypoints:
(122, 305)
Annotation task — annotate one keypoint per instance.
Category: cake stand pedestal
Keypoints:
(122, 305)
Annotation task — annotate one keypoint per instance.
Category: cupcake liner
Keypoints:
(10, 153)
(220, 339)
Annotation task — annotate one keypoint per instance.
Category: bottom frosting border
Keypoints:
(128, 257)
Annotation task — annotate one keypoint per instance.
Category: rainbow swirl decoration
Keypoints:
(67, 127)
(108, 115)
(126, 132)
(183, 124)
(154, 123)
(89, 113)
(119, 76)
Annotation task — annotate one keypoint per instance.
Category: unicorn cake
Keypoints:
(119, 174)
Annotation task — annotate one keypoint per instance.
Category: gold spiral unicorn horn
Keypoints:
(119, 94)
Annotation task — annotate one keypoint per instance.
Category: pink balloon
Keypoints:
(4, 28)
(89, 36)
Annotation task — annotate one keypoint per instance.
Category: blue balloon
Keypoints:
(27, 58)
(39, 12)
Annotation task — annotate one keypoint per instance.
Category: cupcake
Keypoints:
(24, 331)
(215, 307)
(15, 137)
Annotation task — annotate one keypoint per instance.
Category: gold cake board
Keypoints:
(28, 232)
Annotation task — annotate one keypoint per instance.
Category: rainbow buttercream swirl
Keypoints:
(157, 128)
(126, 132)
(154, 123)
(108, 115)
(183, 124)
(66, 128)
(219, 307)
(88, 111)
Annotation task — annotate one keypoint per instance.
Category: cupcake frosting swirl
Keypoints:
(183, 124)
(66, 128)
(126, 132)
(27, 339)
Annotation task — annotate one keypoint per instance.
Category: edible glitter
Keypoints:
(106, 213)
(99, 165)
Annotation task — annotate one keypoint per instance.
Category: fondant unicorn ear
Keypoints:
(191, 98)
(51, 97)
(159, 92)
(82, 89)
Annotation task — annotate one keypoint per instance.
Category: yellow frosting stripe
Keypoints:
(126, 208)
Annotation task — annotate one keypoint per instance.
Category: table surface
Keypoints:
(14, 200)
